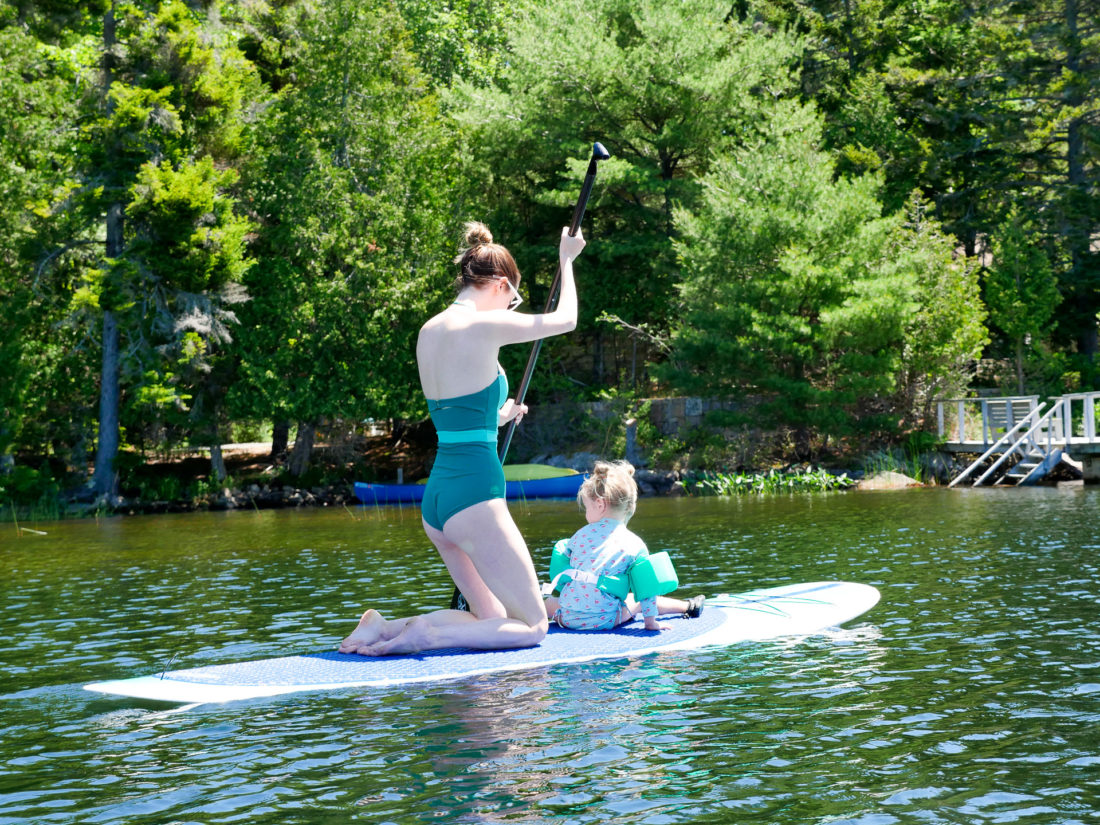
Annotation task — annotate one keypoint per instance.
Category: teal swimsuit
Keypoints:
(466, 470)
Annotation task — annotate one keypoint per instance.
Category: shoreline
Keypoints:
(275, 493)
(275, 496)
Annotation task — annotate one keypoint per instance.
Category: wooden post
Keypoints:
(632, 442)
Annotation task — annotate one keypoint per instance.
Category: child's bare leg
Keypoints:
(670, 607)
(552, 604)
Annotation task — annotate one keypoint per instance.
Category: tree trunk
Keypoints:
(217, 462)
(1020, 365)
(802, 443)
(280, 438)
(1080, 231)
(104, 481)
(303, 449)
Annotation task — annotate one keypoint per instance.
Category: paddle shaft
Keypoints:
(551, 302)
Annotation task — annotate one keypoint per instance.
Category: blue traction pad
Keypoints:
(332, 668)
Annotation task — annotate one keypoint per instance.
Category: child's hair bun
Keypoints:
(612, 481)
(606, 468)
(477, 233)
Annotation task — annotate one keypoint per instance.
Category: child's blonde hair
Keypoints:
(612, 481)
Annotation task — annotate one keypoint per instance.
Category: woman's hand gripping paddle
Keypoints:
(458, 601)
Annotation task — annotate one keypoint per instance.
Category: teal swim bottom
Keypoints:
(463, 475)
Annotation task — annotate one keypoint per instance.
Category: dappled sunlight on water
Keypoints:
(971, 693)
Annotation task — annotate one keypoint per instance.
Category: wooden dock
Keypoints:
(1022, 437)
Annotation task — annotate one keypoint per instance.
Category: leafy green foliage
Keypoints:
(452, 39)
(985, 107)
(36, 109)
(797, 481)
(946, 334)
(799, 196)
(349, 178)
(1021, 292)
(668, 88)
(787, 291)
(186, 235)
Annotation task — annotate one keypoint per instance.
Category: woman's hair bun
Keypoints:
(477, 233)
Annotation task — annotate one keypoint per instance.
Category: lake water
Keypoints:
(970, 694)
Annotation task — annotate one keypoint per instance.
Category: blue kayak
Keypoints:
(559, 487)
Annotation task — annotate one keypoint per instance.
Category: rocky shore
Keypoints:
(938, 467)
(251, 497)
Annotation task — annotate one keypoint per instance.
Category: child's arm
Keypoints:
(650, 613)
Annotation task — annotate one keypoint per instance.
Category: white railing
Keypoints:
(1049, 425)
(981, 421)
(1079, 416)
(1015, 432)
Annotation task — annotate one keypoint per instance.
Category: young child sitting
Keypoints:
(601, 554)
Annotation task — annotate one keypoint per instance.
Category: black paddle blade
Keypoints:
(598, 152)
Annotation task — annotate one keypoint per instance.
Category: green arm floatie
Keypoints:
(653, 576)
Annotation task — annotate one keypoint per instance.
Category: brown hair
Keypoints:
(481, 261)
(613, 481)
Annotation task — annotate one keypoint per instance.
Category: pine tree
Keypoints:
(170, 89)
(798, 292)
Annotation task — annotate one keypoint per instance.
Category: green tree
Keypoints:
(452, 39)
(36, 109)
(1021, 292)
(170, 89)
(350, 182)
(668, 88)
(190, 242)
(945, 336)
(794, 289)
(985, 106)
(1048, 56)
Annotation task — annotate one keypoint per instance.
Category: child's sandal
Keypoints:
(695, 607)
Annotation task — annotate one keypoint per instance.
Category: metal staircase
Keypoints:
(1026, 452)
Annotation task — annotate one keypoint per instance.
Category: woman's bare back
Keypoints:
(453, 354)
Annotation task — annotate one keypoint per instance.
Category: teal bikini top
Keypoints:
(469, 418)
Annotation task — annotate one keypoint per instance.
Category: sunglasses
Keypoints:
(517, 299)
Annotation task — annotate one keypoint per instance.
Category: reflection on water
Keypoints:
(971, 693)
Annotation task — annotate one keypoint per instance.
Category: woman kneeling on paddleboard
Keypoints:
(604, 572)
(464, 510)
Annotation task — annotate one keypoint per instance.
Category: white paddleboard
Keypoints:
(791, 610)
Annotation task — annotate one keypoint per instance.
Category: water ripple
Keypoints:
(969, 695)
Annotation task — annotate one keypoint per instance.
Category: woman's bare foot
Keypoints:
(369, 630)
(417, 635)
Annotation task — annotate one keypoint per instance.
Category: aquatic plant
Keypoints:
(774, 481)
(47, 508)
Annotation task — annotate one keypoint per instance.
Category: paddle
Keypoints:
(458, 601)
(598, 153)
